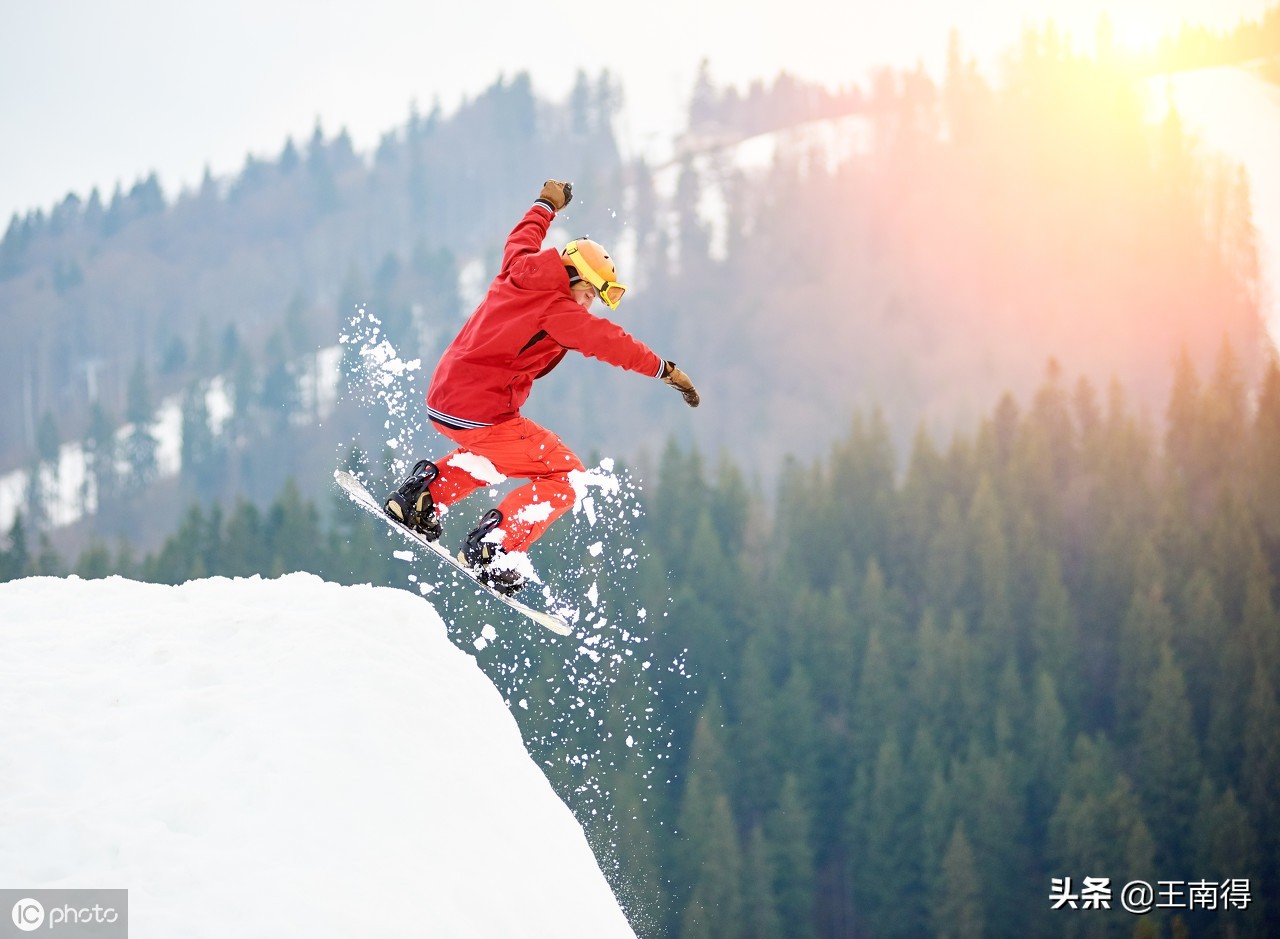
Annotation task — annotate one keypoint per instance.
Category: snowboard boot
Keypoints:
(412, 506)
(479, 555)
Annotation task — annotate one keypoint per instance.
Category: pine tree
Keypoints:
(48, 449)
(94, 563)
(1146, 629)
(638, 880)
(1227, 847)
(1199, 645)
(102, 480)
(1075, 842)
(876, 703)
(141, 445)
(1264, 463)
(246, 549)
(791, 842)
(15, 561)
(861, 477)
(962, 687)
(705, 773)
(1259, 770)
(36, 496)
(753, 734)
(293, 531)
(1260, 623)
(937, 825)
(1182, 436)
(279, 393)
(958, 912)
(1168, 760)
(916, 513)
(1046, 754)
(1054, 640)
(199, 447)
(1224, 421)
(761, 919)
(992, 805)
(1038, 475)
(694, 235)
(927, 681)
(946, 559)
(888, 880)
(716, 907)
(1098, 830)
(831, 635)
(680, 496)
(796, 719)
(1232, 552)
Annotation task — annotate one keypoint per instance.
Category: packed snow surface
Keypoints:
(276, 758)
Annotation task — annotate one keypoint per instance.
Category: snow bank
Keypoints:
(283, 757)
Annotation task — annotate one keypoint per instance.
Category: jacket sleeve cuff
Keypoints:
(546, 205)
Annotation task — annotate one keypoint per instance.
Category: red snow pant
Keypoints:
(520, 449)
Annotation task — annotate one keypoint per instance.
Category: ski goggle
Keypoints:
(610, 292)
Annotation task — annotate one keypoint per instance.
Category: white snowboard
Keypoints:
(361, 497)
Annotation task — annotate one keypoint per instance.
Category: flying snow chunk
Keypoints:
(535, 512)
(402, 555)
(517, 561)
(601, 477)
(384, 359)
(596, 549)
(479, 467)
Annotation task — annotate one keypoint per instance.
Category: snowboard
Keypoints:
(361, 496)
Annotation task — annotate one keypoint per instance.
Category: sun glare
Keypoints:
(1137, 32)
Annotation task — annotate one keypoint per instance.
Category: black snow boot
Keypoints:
(479, 555)
(412, 506)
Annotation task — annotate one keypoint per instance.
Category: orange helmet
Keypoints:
(587, 260)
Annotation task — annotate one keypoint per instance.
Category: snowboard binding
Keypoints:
(412, 506)
(479, 555)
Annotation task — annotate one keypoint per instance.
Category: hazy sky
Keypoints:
(100, 92)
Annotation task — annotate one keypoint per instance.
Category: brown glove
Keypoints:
(556, 194)
(674, 376)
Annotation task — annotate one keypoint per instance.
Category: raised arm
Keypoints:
(527, 236)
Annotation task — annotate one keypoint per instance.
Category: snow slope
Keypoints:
(276, 757)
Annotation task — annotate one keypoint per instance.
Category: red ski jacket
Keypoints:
(522, 329)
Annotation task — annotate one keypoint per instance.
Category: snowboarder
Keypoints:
(536, 309)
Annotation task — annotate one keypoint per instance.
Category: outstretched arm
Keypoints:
(527, 236)
(574, 328)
